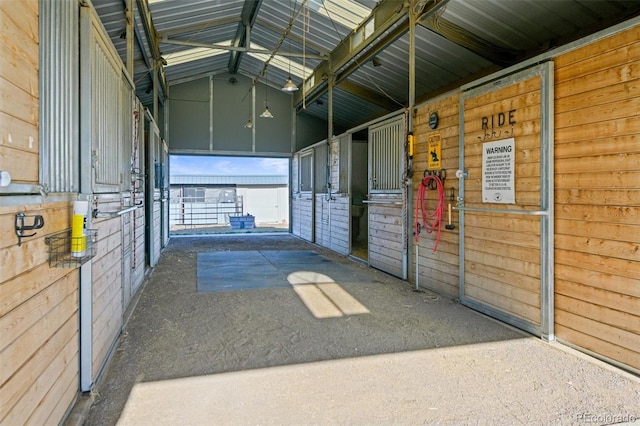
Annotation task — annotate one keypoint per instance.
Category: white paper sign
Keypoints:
(498, 170)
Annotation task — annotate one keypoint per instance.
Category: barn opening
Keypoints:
(225, 195)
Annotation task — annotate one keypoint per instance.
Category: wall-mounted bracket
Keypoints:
(20, 226)
(462, 174)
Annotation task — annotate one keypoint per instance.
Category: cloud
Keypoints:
(278, 166)
(243, 166)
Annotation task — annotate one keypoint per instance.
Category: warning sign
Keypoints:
(435, 151)
(498, 169)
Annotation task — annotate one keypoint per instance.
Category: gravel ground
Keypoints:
(261, 357)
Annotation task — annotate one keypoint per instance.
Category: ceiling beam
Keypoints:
(462, 37)
(237, 49)
(243, 33)
(376, 47)
(200, 27)
(367, 94)
(152, 39)
(292, 37)
(386, 15)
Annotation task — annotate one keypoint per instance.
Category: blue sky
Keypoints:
(247, 166)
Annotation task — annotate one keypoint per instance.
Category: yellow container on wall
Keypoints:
(78, 237)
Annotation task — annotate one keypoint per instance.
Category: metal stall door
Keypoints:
(101, 140)
(387, 233)
(152, 189)
(506, 199)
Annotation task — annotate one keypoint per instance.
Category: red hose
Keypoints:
(430, 220)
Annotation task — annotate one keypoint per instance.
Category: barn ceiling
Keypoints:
(362, 44)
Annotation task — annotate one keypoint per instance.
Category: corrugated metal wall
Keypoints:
(59, 95)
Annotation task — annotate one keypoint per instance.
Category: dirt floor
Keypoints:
(402, 357)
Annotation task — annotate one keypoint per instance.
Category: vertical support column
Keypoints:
(547, 290)
(130, 37)
(406, 255)
(327, 163)
(292, 190)
(211, 113)
(331, 85)
(85, 312)
(461, 175)
(253, 116)
(156, 66)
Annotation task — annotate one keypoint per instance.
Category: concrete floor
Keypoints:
(336, 349)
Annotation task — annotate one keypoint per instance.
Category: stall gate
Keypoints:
(506, 199)
(387, 197)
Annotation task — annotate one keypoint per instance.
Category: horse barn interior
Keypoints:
(486, 151)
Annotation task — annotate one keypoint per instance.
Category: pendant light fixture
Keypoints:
(289, 85)
(266, 113)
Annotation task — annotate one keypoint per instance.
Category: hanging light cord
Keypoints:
(277, 48)
(431, 221)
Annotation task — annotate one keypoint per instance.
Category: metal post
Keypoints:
(253, 117)
(156, 66)
(211, 113)
(130, 38)
(85, 296)
(412, 101)
(547, 204)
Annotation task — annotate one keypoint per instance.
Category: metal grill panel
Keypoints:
(386, 142)
(106, 117)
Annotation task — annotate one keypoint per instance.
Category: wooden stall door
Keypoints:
(505, 216)
(386, 200)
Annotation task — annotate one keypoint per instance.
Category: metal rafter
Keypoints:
(367, 94)
(199, 27)
(152, 40)
(462, 37)
(243, 33)
(238, 49)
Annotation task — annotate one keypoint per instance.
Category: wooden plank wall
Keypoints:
(332, 222)
(19, 90)
(38, 322)
(321, 225)
(597, 197)
(127, 256)
(107, 286)
(138, 264)
(38, 304)
(155, 228)
(305, 217)
(339, 224)
(385, 237)
(438, 271)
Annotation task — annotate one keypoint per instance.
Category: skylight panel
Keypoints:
(193, 54)
(344, 12)
(281, 62)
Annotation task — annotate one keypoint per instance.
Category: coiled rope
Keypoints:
(431, 220)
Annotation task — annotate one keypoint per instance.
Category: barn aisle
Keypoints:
(337, 343)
